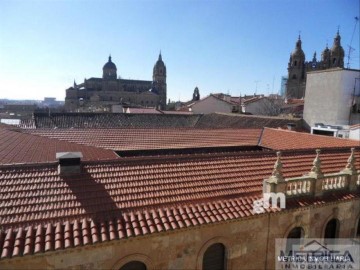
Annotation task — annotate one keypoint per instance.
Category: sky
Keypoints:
(229, 46)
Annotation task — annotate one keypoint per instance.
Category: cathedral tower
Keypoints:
(296, 73)
(159, 80)
(337, 52)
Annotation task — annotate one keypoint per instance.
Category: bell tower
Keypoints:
(295, 87)
(159, 80)
(337, 52)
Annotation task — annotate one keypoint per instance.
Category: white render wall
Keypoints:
(355, 134)
(211, 105)
(328, 96)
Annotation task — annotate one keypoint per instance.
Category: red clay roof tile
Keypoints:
(279, 139)
(18, 147)
(150, 139)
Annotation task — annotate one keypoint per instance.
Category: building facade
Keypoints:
(298, 67)
(98, 94)
(333, 97)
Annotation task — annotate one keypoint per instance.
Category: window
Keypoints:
(295, 63)
(294, 77)
(214, 257)
(294, 237)
(358, 229)
(332, 229)
(134, 265)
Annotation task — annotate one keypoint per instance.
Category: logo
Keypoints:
(260, 205)
(312, 254)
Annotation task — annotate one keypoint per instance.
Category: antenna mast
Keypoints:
(351, 48)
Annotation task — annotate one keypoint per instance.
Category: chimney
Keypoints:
(69, 162)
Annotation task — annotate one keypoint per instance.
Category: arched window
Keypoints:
(295, 63)
(294, 77)
(294, 237)
(214, 257)
(332, 229)
(134, 265)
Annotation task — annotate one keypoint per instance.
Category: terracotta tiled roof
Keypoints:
(109, 120)
(43, 211)
(17, 147)
(165, 120)
(356, 126)
(143, 110)
(298, 101)
(180, 112)
(279, 139)
(222, 120)
(146, 139)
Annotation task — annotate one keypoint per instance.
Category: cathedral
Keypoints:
(298, 67)
(99, 94)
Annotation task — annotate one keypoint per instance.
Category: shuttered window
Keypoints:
(214, 257)
(134, 265)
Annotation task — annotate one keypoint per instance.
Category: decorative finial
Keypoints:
(160, 58)
(74, 83)
(351, 161)
(316, 169)
(109, 57)
(277, 175)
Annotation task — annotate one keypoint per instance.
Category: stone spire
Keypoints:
(316, 169)
(277, 175)
(350, 166)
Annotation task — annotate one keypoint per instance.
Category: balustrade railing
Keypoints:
(299, 186)
(334, 181)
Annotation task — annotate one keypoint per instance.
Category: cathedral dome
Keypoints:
(109, 64)
(109, 70)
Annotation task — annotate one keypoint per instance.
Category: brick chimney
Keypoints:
(69, 162)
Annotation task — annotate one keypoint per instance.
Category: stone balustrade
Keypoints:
(299, 186)
(315, 183)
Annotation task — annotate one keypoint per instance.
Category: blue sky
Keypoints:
(219, 46)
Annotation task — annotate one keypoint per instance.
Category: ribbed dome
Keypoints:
(109, 64)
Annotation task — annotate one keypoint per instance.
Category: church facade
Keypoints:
(98, 94)
(298, 67)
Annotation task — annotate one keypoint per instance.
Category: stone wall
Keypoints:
(249, 242)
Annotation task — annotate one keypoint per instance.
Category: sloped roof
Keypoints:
(18, 147)
(223, 120)
(166, 120)
(147, 139)
(43, 211)
(279, 139)
(109, 120)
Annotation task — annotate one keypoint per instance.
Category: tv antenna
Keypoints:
(256, 85)
(351, 48)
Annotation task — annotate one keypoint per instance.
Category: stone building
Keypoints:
(98, 94)
(298, 66)
(171, 210)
